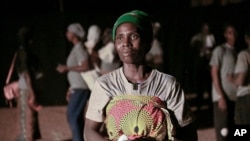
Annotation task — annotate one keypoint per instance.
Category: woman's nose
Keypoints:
(126, 42)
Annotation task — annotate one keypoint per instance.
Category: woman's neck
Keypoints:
(136, 73)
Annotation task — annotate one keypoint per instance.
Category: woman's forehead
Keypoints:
(126, 28)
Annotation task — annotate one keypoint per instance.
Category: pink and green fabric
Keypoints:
(138, 117)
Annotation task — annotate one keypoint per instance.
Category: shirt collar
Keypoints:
(229, 46)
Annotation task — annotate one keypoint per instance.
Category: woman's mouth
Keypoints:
(127, 53)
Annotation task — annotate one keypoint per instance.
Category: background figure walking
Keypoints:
(107, 53)
(29, 72)
(78, 92)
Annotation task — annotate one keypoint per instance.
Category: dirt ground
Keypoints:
(54, 127)
(52, 121)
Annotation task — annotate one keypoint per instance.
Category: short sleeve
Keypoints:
(81, 54)
(242, 62)
(177, 103)
(216, 57)
(97, 103)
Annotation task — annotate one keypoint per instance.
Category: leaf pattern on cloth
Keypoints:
(138, 117)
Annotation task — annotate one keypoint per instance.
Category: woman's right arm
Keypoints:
(92, 131)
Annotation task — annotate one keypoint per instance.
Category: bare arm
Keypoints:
(240, 79)
(217, 84)
(216, 80)
(92, 131)
(81, 68)
(32, 97)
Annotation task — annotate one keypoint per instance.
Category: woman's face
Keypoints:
(129, 44)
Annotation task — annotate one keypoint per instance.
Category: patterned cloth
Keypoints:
(28, 124)
(138, 117)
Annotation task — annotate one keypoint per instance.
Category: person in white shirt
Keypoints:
(223, 91)
(78, 92)
(241, 79)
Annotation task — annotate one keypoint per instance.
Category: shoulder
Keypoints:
(219, 49)
(196, 36)
(109, 76)
(78, 46)
(79, 49)
(110, 44)
(165, 78)
(164, 75)
(211, 35)
(244, 52)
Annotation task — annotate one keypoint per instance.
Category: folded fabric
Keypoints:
(242, 91)
(138, 117)
(106, 53)
(90, 78)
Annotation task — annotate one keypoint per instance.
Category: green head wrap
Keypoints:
(137, 17)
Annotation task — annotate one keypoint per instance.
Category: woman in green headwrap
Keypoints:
(137, 102)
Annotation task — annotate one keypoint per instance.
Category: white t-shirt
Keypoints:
(243, 66)
(224, 57)
(158, 84)
(75, 58)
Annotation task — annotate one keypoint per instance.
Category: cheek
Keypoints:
(69, 35)
(117, 48)
(118, 45)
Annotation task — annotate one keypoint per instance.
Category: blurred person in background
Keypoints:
(223, 91)
(78, 92)
(107, 53)
(93, 38)
(104, 58)
(204, 41)
(241, 79)
(155, 55)
(29, 71)
(202, 45)
(92, 44)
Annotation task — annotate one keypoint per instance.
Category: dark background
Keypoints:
(49, 18)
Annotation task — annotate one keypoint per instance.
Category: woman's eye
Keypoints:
(134, 36)
(118, 38)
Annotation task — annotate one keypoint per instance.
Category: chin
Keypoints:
(128, 62)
